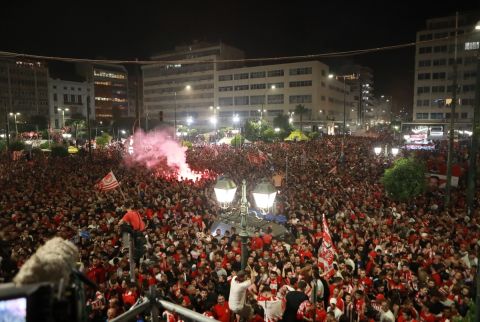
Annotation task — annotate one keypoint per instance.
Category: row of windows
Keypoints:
(172, 90)
(443, 102)
(437, 75)
(271, 73)
(181, 80)
(73, 99)
(473, 45)
(438, 35)
(105, 74)
(168, 70)
(439, 116)
(263, 86)
(259, 99)
(110, 99)
(179, 97)
(445, 89)
(443, 75)
(443, 61)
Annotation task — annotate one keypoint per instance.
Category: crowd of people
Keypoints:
(413, 261)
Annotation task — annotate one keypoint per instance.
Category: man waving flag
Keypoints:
(327, 252)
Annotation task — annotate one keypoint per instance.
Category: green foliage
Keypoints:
(36, 152)
(59, 151)
(269, 135)
(45, 145)
(237, 140)
(301, 110)
(405, 180)
(17, 146)
(103, 140)
(3, 145)
(313, 135)
(187, 144)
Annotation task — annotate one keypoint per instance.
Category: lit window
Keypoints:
(472, 45)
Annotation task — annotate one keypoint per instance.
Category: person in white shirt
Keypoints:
(386, 315)
(238, 294)
(334, 309)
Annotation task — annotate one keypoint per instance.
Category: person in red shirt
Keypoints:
(133, 218)
(221, 310)
(257, 242)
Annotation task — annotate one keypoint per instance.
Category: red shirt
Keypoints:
(135, 220)
(222, 311)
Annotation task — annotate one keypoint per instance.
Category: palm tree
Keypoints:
(301, 110)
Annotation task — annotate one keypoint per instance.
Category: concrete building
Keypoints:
(278, 89)
(110, 84)
(361, 88)
(434, 61)
(185, 87)
(23, 91)
(68, 98)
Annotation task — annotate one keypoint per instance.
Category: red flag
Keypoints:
(109, 182)
(327, 252)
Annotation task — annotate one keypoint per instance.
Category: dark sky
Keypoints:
(261, 28)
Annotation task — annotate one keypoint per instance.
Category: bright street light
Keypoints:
(277, 129)
(395, 151)
(189, 120)
(63, 114)
(377, 150)
(264, 195)
(15, 119)
(236, 118)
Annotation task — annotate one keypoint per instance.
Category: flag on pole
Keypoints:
(327, 252)
(333, 170)
(108, 182)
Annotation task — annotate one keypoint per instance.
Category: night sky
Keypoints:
(261, 28)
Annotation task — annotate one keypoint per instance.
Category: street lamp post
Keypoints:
(472, 166)
(15, 120)
(263, 194)
(344, 78)
(188, 87)
(214, 119)
(63, 114)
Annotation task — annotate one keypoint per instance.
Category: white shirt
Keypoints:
(387, 316)
(238, 291)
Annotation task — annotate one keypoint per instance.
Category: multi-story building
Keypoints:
(361, 88)
(185, 87)
(24, 89)
(68, 98)
(434, 70)
(271, 90)
(110, 84)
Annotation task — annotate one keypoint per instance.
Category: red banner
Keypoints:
(327, 252)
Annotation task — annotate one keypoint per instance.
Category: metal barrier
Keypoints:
(152, 304)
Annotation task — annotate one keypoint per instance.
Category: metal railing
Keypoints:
(152, 305)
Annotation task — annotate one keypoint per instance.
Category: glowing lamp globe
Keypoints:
(264, 195)
(395, 151)
(225, 190)
(377, 150)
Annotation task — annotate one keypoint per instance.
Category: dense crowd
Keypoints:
(412, 261)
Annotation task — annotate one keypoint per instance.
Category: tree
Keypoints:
(405, 179)
(237, 141)
(59, 151)
(77, 121)
(301, 110)
(103, 140)
(282, 122)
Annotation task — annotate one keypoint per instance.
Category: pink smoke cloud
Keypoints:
(155, 149)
